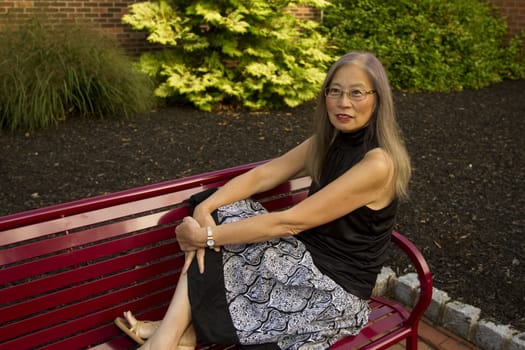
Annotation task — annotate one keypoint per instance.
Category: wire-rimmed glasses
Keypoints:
(353, 94)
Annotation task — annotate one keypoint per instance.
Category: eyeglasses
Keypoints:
(353, 94)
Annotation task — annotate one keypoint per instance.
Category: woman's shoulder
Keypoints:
(380, 167)
(379, 159)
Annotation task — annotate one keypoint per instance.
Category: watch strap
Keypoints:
(210, 242)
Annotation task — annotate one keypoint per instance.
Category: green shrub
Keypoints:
(48, 73)
(255, 53)
(429, 45)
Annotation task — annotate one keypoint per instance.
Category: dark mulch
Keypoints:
(466, 211)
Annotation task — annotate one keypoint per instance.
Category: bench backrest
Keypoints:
(68, 270)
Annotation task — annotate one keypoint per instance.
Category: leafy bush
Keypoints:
(48, 73)
(255, 53)
(428, 45)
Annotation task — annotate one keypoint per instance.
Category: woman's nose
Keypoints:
(345, 100)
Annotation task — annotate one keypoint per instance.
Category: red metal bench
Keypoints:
(68, 270)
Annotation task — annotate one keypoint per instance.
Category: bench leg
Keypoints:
(411, 342)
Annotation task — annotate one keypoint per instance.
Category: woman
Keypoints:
(300, 277)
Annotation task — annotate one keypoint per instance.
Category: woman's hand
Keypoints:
(205, 219)
(188, 258)
(186, 233)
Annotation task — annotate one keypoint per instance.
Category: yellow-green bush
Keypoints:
(252, 53)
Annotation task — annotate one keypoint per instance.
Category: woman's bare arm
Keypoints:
(368, 183)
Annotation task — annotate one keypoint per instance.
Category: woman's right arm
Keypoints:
(258, 179)
(261, 178)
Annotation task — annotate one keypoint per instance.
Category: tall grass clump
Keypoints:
(429, 45)
(51, 72)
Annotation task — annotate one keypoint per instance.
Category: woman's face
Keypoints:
(351, 110)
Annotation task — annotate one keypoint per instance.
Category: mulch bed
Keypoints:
(467, 194)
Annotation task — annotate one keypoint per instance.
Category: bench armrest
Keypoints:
(423, 274)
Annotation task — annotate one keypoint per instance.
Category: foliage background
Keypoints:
(252, 53)
(255, 54)
(429, 45)
(49, 73)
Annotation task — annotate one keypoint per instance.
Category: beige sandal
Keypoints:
(137, 330)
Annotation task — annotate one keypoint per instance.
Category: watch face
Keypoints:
(210, 242)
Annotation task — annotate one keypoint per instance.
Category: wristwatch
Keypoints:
(210, 242)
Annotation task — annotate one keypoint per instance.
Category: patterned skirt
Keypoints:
(269, 293)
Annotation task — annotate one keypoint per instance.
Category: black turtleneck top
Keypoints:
(352, 249)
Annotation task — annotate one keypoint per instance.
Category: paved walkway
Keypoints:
(437, 338)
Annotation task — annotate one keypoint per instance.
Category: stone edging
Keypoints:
(461, 319)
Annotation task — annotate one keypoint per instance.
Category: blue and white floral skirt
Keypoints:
(269, 293)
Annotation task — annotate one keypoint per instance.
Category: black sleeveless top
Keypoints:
(352, 249)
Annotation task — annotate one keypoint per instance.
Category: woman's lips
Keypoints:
(343, 117)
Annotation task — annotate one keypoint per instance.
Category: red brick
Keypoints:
(23, 3)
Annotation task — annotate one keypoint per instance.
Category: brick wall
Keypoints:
(107, 15)
(104, 14)
(306, 12)
(514, 12)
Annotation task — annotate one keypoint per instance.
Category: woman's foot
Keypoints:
(135, 329)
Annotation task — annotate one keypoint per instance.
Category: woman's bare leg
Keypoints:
(175, 328)
(188, 339)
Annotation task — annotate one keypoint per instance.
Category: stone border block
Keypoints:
(458, 318)
(490, 336)
(407, 289)
(385, 282)
(461, 319)
(517, 342)
(437, 306)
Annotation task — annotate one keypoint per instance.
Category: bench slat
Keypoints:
(84, 313)
(384, 323)
(71, 223)
(85, 290)
(78, 330)
(72, 258)
(88, 235)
